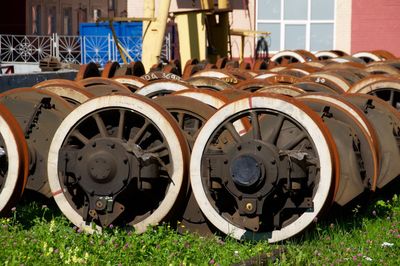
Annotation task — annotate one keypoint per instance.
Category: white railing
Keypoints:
(72, 49)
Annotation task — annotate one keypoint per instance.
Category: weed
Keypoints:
(38, 234)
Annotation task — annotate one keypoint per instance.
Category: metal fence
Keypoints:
(72, 49)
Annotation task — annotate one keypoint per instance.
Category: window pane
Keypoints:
(275, 37)
(269, 9)
(295, 9)
(322, 9)
(295, 37)
(321, 37)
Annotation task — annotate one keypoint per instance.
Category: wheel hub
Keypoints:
(102, 166)
(252, 169)
(246, 170)
(103, 161)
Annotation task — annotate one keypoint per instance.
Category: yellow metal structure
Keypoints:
(192, 35)
(203, 34)
(154, 31)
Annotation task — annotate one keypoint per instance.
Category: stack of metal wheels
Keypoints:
(255, 152)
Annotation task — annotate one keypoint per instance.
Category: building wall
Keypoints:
(80, 11)
(242, 17)
(375, 25)
(343, 25)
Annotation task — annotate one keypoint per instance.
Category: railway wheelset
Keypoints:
(254, 153)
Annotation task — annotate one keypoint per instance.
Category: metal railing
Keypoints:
(72, 49)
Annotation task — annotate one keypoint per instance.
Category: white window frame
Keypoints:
(306, 22)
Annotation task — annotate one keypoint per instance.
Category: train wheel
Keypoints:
(273, 181)
(70, 91)
(162, 87)
(118, 159)
(132, 82)
(39, 113)
(191, 115)
(14, 161)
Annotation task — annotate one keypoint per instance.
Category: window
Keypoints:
(37, 19)
(67, 21)
(111, 5)
(51, 20)
(96, 14)
(297, 24)
(81, 15)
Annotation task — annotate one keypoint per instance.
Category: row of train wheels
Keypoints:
(253, 152)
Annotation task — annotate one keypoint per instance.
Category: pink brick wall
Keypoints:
(375, 25)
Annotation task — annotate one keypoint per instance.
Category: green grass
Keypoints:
(40, 235)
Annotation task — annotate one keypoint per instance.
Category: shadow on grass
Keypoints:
(33, 206)
(352, 215)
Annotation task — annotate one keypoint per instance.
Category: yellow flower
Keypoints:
(52, 226)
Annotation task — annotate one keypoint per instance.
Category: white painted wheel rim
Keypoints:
(11, 148)
(142, 107)
(295, 55)
(163, 86)
(368, 55)
(321, 146)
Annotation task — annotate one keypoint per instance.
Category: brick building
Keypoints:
(44, 17)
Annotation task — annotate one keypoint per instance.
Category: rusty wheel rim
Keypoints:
(287, 90)
(327, 80)
(163, 87)
(99, 86)
(190, 114)
(151, 129)
(253, 85)
(219, 213)
(368, 57)
(132, 82)
(209, 83)
(156, 75)
(109, 69)
(288, 57)
(38, 113)
(386, 122)
(324, 55)
(87, 71)
(13, 168)
(387, 89)
(379, 69)
(368, 149)
(216, 100)
(314, 87)
(281, 79)
(218, 73)
(71, 91)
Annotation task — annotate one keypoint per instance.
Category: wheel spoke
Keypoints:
(157, 148)
(100, 125)
(140, 133)
(231, 129)
(180, 119)
(196, 125)
(391, 100)
(273, 137)
(79, 136)
(121, 124)
(255, 125)
(294, 142)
